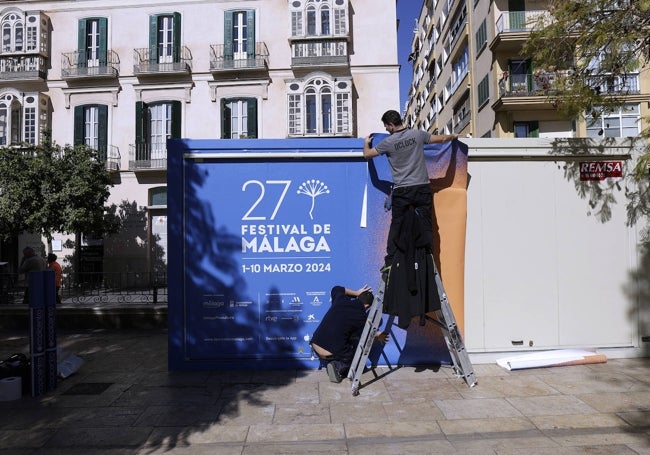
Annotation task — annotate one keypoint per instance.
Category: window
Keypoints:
(165, 38)
(92, 42)
(622, 123)
(483, 91)
(13, 30)
(239, 35)
(320, 106)
(155, 123)
(319, 18)
(17, 121)
(239, 118)
(91, 127)
(520, 76)
(526, 129)
(481, 36)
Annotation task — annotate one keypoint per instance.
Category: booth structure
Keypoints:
(260, 230)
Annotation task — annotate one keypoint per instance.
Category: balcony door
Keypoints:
(165, 38)
(91, 127)
(239, 35)
(92, 42)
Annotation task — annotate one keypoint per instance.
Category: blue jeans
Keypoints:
(418, 197)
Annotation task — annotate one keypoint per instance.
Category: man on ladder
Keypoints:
(409, 266)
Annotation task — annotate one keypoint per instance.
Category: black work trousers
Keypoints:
(418, 198)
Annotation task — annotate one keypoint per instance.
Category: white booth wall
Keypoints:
(541, 272)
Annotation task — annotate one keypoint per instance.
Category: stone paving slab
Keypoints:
(124, 401)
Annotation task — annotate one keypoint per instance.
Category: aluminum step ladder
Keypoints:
(444, 319)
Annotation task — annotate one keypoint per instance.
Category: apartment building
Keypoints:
(470, 78)
(123, 76)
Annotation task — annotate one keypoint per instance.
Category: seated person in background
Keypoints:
(336, 338)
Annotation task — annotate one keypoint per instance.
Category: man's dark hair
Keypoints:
(392, 117)
(366, 298)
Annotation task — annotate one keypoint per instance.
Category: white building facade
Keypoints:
(124, 76)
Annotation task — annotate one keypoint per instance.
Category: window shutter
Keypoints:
(79, 132)
(140, 123)
(251, 105)
(176, 50)
(227, 35)
(176, 120)
(153, 38)
(81, 43)
(226, 117)
(102, 134)
(250, 33)
(534, 129)
(103, 38)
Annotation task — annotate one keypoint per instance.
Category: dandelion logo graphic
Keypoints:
(313, 188)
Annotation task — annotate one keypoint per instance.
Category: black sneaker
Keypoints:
(333, 372)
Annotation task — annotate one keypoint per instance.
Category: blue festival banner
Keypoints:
(259, 232)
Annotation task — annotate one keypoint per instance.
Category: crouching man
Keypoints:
(337, 336)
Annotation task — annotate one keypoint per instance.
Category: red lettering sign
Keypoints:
(600, 170)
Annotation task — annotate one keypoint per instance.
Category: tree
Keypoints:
(597, 49)
(47, 188)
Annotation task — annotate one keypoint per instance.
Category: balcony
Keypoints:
(462, 116)
(80, 65)
(220, 61)
(111, 157)
(147, 157)
(319, 52)
(627, 84)
(23, 67)
(178, 61)
(513, 27)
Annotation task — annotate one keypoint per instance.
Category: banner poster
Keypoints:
(259, 233)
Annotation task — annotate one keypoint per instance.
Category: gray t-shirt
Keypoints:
(405, 152)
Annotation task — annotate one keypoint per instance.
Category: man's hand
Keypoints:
(362, 290)
(382, 337)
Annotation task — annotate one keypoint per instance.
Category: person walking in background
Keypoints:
(31, 262)
(58, 274)
(404, 148)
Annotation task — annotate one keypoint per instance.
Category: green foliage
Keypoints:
(600, 43)
(48, 188)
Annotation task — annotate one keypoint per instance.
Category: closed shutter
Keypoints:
(250, 33)
(226, 118)
(79, 133)
(251, 104)
(227, 36)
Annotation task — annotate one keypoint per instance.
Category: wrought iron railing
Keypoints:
(176, 60)
(79, 64)
(147, 156)
(109, 288)
(222, 61)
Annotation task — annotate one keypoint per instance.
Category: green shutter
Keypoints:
(251, 104)
(227, 36)
(140, 122)
(102, 134)
(81, 43)
(177, 120)
(226, 117)
(79, 132)
(534, 129)
(250, 33)
(176, 50)
(153, 38)
(103, 38)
